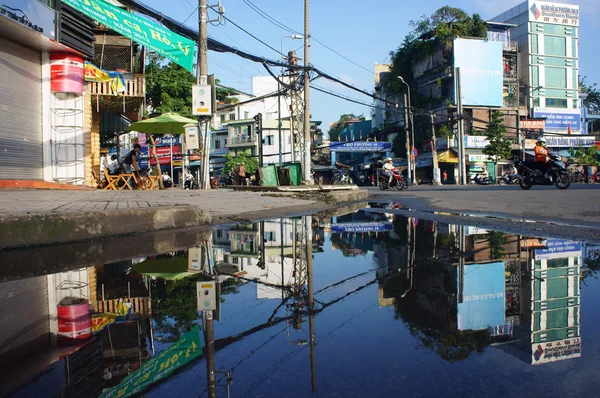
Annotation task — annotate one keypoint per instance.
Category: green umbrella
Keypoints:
(173, 268)
(167, 123)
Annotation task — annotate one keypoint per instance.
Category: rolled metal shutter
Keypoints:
(20, 112)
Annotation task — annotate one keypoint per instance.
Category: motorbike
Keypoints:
(508, 179)
(528, 176)
(342, 180)
(594, 179)
(480, 179)
(578, 177)
(397, 181)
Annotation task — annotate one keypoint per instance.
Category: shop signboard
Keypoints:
(476, 141)
(481, 70)
(186, 349)
(553, 351)
(164, 154)
(141, 30)
(483, 293)
(360, 146)
(554, 13)
(478, 158)
(470, 230)
(559, 119)
(569, 142)
(557, 246)
(531, 124)
(166, 140)
(32, 14)
(424, 162)
(362, 227)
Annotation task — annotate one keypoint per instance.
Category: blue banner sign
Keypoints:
(559, 119)
(359, 146)
(362, 227)
(482, 297)
(554, 246)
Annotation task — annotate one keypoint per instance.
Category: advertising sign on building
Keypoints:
(554, 13)
(569, 141)
(482, 303)
(480, 64)
(31, 14)
(362, 227)
(557, 246)
(424, 162)
(164, 154)
(479, 158)
(532, 124)
(338, 146)
(476, 141)
(552, 351)
(559, 119)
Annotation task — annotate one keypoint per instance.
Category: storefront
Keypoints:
(447, 162)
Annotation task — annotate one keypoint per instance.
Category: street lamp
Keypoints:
(412, 133)
(294, 37)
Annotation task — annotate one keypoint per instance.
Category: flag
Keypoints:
(569, 129)
(92, 73)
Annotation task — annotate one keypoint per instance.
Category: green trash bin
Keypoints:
(295, 169)
(284, 176)
(268, 176)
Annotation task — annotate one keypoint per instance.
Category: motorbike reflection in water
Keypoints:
(274, 315)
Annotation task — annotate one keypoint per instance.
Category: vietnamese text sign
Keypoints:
(555, 350)
(483, 297)
(166, 43)
(370, 146)
(164, 154)
(481, 75)
(424, 162)
(31, 13)
(555, 13)
(479, 158)
(476, 141)
(532, 124)
(570, 142)
(187, 348)
(362, 227)
(554, 246)
(559, 119)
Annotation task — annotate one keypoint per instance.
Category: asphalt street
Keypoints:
(575, 208)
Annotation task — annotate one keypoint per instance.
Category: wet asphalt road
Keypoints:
(574, 211)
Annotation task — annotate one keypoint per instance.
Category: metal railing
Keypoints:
(135, 87)
(242, 140)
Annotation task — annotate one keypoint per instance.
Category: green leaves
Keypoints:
(499, 146)
(250, 162)
(585, 156)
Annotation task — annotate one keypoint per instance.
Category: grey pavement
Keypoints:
(580, 204)
(218, 203)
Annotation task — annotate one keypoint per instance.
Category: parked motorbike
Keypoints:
(481, 179)
(397, 181)
(528, 176)
(508, 179)
(594, 179)
(344, 179)
(579, 176)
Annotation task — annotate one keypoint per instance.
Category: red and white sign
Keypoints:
(164, 154)
(532, 124)
(66, 74)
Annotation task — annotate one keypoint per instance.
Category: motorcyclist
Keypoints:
(388, 168)
(541, 157)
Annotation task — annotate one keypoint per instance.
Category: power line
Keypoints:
(251, 35)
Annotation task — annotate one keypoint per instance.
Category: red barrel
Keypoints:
(74, 320)
(66, 73)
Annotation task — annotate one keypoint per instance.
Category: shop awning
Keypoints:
(448, 156)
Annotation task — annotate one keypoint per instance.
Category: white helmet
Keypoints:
(387, 160)
(541, 140)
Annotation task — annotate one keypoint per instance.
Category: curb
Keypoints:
(40, 184)
(42, 229)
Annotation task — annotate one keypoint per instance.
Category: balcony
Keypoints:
(239, 141)
(135, 87)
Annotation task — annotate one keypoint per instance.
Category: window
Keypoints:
(555, 46)
(574, 48)
(536, 102)
(225, 142)
(269, 140)
(219, 233)
(556, 102)
(556, 77)
(270, 236)
(234, 260)
(232, 116)
(246, 115)
(535, 76)
(217, 144)
(575, 104)
(534, 44)
(222, 118)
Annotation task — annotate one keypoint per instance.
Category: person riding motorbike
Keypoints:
(541, 157)
(388, 169)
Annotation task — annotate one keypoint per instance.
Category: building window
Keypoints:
(269, 140)
(219, 233)
(232, 116)
(225, 142)
(246, 115)
(536, 102)
(270, 236)
(575, 104)
(554, 45)
(234, 260)
(534, 44)
(217, 144)
(556, 77)
(556, 102)
(535, 76)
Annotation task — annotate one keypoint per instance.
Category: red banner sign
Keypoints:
(532, 124)
(164, 154)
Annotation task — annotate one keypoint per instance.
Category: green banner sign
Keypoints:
(186, 349)
(166, 43)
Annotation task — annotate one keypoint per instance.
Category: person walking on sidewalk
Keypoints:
(242, 174)
(189, 179)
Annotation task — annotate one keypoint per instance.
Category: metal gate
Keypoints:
(20, 112)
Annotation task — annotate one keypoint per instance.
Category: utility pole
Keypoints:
(408, 154)
(436, 166)
(461, 131)
(307, 135)
(202, 78)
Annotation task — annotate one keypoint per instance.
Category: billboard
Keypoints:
(555, 13)
(557, 119)
(481, 76)
(362, 227)
(360, 146)
(482, 303)
(476, 141)
(555, 351)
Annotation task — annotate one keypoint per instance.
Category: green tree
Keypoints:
(250, 162)
(592, 99)
(499, 146)
(586, 156)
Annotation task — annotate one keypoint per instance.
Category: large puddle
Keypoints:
(363, 304)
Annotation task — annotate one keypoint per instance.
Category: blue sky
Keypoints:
(363, 32)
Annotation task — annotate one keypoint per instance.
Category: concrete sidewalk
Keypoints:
(43, 217)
